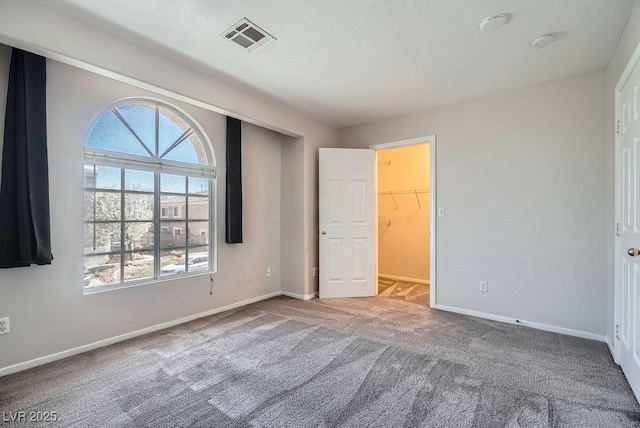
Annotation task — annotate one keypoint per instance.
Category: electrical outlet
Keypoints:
(315, 271)
(268, 272)
(484, 286)
(4, 325)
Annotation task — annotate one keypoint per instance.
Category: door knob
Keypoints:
(324, 232)
(633, 252)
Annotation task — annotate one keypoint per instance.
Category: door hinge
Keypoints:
(618, 331)
(618, 229)
(617, 127)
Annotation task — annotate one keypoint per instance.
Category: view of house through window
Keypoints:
(148, 180)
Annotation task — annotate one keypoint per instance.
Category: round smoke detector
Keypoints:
(492, 23)
(543, 41)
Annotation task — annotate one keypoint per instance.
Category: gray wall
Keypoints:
(292, 226)
(522, 177)
(48, 310)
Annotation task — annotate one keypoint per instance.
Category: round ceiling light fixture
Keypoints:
(543, 41)
(492, 23)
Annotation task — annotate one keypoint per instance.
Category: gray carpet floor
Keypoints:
(373, 362)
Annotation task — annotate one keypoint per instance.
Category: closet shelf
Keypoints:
(405, 192)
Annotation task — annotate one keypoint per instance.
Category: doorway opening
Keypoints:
(405, 170)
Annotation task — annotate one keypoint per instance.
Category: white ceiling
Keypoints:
(352, 61)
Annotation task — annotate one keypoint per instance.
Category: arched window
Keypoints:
(149, 195)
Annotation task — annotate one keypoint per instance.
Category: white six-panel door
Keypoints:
(628, 290)
(347, 223)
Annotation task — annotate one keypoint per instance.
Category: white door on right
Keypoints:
(628, 298)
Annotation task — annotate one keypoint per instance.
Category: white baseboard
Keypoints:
(610, 346)
(551, 328)
(4, 371)
(404, 278)
(299, 296)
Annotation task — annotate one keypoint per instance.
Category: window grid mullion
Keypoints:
(94, 209)
(95, 189)
(122, 245)
(180, 139)
(117, 221)
(186, 223)
(157, 131)
(102, 157)
(126, 124)
(156, 224)
(105, 253)
(212, 222)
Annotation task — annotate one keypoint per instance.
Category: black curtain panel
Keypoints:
(25, 236)
(234, 181)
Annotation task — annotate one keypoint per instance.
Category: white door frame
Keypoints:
(431, 140)
(624, 77)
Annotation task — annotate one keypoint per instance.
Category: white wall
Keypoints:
(293, 262)
(48, 310)
(626, 46)
(522, 177)
(30, 25)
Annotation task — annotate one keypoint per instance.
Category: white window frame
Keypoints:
(97, 156)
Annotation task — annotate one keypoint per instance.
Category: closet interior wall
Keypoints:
(404, 212)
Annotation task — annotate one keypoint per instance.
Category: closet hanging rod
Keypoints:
(404, 192)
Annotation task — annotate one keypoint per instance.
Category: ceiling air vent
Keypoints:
(247, 34)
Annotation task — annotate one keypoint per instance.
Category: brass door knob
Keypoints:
(324, 232)
(633, 252)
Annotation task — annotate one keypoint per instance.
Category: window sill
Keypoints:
(105, 288)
